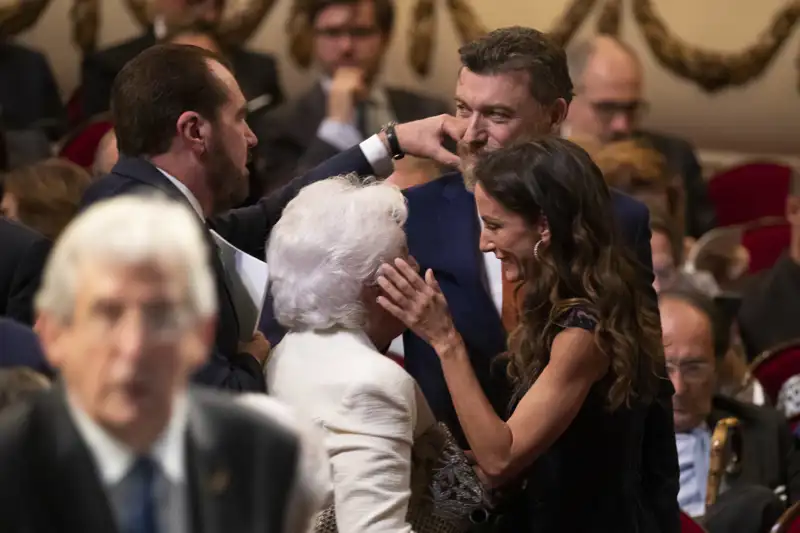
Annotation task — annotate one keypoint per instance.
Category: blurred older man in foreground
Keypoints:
(127, 313)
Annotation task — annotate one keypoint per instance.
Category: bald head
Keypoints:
(608, 78)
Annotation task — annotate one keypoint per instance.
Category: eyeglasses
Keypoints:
(159, 321)
(691, 371)
(356, 32)
(606, 110)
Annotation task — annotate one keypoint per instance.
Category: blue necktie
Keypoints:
(141, 516)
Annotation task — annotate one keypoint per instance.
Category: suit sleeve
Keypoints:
(369, 445)
(25, 284)
(239, 372)
(249, 227)
(660, 474)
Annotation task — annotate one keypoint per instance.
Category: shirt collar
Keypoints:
(185, 190)
(160, 29)
(114, 459)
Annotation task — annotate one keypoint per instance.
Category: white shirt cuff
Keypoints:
(338, 134)
(378, 156)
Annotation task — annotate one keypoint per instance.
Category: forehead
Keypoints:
(686, 330)
(362, 12)
(134, 282)
(508, 89)
(613, 77)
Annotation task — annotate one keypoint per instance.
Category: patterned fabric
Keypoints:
(789, 397)
(578, 317)
(694, 450)
(446, 494)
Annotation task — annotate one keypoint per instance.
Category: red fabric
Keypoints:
(773, 372)
(689, 526)
(748, 192)
(82, 146)
(766, 244)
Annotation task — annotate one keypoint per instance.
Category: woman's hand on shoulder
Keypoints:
(418, 303)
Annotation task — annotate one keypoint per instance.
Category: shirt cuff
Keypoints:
(338, 134)
(378, 156)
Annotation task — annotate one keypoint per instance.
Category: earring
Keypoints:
(536, 249)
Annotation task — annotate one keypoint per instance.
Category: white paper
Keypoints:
(247, 277)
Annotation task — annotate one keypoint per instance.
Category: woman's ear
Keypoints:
(543, 227)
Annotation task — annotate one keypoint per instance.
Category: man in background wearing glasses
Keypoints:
(348, 103)
(609, 105)
(767, 470)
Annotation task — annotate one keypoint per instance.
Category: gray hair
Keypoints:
(129, 230)
(328, 246)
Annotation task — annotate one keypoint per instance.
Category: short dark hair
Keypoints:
(522, 49)
(155, 88)
(720, 323)
(384, 11)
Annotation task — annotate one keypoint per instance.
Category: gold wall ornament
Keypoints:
(85, 16)
(466, 21)
(571, 20)
(301, 39)
(610, 18)
(715, 70)
(239, 22)
(421, 36)
(17, 16)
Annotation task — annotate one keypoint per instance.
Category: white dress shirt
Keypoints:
(694, 451)
(114, 461)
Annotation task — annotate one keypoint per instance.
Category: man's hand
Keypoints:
(424, 138)
(258, 347)
(347, 88)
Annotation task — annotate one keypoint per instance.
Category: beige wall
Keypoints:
(763, 117)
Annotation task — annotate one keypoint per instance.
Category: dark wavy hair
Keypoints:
(584, 265)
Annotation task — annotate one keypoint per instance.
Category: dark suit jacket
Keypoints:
(24, 253)
(680, 159)
(288, 142)
(769, 454)
(246, 228)
(56, 485)
(256, 73)
(19, 346)
(443, 232)
(29, 94)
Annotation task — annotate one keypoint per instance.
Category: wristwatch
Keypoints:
(391, 140)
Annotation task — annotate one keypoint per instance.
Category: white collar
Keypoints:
(114, 459)
(160, 29)
(185, 190)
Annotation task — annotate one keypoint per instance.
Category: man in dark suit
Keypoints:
(513, 84)
(256, 73)
(347, 104)
(179, 118)
(29, 97)
(127, 312)
(608, 105)
(24, 253)
(696, 337)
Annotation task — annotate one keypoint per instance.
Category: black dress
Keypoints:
(589, 480)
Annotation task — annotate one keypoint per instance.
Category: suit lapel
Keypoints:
(65, 471)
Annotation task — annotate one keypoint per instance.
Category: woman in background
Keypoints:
(584, 361)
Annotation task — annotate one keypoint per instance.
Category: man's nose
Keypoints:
(132, 336)
(252, 140)
(677, 382)
(621, 124)
(475, 132)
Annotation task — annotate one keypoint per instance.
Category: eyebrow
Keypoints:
(491, 220)
(488, 108)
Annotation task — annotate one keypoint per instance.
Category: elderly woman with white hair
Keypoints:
(324, 256)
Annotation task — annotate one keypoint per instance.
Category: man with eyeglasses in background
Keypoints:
(348, 103)
(696, 338)
(608, 105)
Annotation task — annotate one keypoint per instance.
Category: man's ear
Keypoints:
(558, 112)
(194, 131)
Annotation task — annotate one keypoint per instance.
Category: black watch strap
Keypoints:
(391, 139)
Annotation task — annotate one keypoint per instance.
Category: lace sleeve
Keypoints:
(578, 317)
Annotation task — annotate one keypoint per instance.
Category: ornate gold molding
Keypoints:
(714, 70)
(421, 36)
(85, 17)
(17, 16)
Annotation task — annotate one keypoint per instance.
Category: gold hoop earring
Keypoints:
(536, 249)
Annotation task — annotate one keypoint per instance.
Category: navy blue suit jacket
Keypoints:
(443, 235)
(246, 228)
(19, 346)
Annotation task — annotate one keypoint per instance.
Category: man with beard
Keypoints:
(179, 118)
(513, 84)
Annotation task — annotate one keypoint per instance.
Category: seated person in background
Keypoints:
(107, 154)
(608, 106)
(348, 103)
(324, 256)
(19, 384)
(29, 97)
(770, 308)
(695, 339)
(44, 196)
(256, 72)
(23, 253)
(20, 347)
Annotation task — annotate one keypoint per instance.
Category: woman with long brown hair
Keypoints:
(584, 361)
